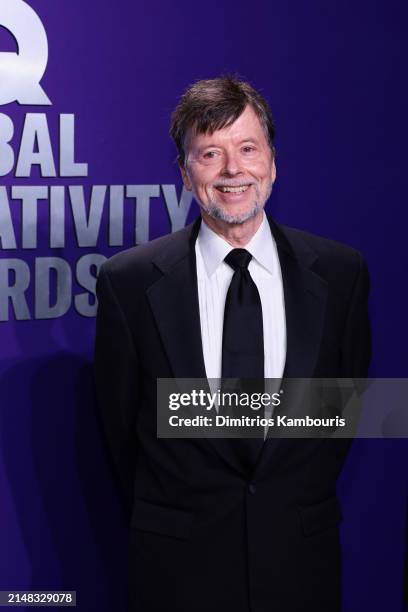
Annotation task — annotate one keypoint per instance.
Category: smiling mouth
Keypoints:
(236, 189)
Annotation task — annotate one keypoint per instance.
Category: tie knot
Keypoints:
(238, 258)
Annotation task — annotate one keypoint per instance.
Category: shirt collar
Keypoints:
(214, 248)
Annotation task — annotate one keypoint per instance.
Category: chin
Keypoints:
(219, 213)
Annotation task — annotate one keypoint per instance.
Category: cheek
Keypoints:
(265, 172)
(205, 182)
(201, 179)
(258, 168)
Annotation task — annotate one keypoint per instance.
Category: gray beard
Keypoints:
(216, 212)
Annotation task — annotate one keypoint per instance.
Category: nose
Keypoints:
(231, 166)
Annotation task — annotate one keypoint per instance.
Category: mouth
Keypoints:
(232, 188)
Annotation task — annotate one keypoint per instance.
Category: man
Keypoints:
(213, 528)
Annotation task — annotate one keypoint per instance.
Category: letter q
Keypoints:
(21, 73)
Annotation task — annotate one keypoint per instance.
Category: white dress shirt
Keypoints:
(214, 277)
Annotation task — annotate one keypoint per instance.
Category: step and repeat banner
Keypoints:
(87, 169)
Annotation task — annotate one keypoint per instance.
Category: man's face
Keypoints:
(231, 172)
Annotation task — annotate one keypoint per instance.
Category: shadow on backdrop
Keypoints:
(59, 477)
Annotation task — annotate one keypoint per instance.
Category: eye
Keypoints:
(210, 154)
(248, 149)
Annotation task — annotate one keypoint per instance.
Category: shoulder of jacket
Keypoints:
(138, 259)
(325, 248)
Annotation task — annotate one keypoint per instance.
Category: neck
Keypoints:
(236, 234)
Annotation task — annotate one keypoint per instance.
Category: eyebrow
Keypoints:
(215, 146)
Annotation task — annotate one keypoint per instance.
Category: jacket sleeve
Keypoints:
(116, 373)
(356, 349)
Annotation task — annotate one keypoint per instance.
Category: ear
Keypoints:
(184, 175)
(273, 170)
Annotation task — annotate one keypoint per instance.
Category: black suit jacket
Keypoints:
(205, 535)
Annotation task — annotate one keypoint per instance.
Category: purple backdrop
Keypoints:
(333, 73)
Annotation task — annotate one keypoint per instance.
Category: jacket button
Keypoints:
(251, 488)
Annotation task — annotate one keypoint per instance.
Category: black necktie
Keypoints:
(242, 342)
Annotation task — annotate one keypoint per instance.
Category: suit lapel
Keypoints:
(174, 303)
(305, 295)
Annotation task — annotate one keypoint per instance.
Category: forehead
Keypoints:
(246, 127)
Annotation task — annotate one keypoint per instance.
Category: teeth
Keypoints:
(234, 189)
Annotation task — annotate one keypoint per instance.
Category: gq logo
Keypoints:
(21, 73)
